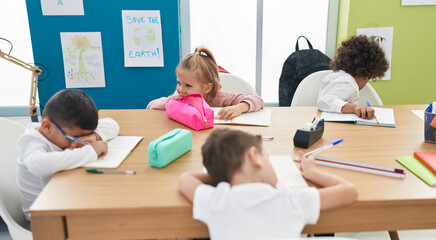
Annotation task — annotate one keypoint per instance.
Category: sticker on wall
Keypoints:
(142, 36)
(62, 7)
(418, 2)
(384, 37)
(83, 59)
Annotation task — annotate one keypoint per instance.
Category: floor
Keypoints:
(4, 234)
(404, 235)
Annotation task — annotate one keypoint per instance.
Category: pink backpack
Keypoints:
(192, 111)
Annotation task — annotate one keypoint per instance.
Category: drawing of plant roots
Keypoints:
(81, 43)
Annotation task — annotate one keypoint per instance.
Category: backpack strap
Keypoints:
(308, 43)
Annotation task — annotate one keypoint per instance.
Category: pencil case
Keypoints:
(192, 111)
(168, 147)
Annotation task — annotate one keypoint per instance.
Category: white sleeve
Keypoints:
(308, 201)
(42, 163)
(334, 99)
(201, 205)
(107, 128)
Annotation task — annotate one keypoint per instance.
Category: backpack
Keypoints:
(297, 66)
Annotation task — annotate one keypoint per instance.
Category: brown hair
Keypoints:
(360, 56)
(72, 107)
(202, 62)
(224, 151)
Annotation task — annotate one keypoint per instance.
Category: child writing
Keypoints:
(198, 73)
(69, 135)
(357, 60)
(246, 203)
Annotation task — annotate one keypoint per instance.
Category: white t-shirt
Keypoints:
(255, 210)
(39, 159)
(337, 89)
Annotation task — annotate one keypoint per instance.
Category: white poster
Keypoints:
(62, 7)
(83, 59)
(142, 36)
(384, 36)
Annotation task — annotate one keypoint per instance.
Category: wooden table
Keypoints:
(80, 205)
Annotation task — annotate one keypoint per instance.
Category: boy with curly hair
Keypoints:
(357, 60)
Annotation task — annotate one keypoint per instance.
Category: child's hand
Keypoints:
(233, 111)
(307, 165)
(364, 112)
(100, 147)
(92, 137)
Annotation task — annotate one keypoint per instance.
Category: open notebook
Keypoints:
(385, 117)
(118, 149)
(287, 172)
(259, 118)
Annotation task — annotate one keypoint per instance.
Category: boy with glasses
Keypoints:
(69, 136)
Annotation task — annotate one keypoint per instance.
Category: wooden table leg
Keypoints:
(394, 235)
(48, 228)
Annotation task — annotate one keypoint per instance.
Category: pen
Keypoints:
(369, 105)
(267, 138)
(75, 139)
(110, 171)
(318, 150)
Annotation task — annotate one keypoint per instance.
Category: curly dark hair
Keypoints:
(360, 56)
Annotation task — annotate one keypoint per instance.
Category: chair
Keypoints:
(368, 94)
(307, 91)
(233, 83)
(10, 198)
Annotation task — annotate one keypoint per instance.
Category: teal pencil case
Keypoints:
(168, 147)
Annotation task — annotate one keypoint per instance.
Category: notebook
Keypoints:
(118, 149)
(428, 159)
(287, 172)
(417, 168)
(259, 118)
(385, 117)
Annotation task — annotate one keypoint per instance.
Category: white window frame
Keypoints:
(185, 33)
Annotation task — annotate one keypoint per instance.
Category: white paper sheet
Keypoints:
(142, 36)
(83, 59)
(62, 7)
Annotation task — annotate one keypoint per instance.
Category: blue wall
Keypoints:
(126, 87)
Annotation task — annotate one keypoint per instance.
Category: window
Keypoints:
(15, 81)
(230, 29)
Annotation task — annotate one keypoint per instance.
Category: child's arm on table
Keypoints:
(233, 111)
(189, 181)
(42, 162)
(160, 102)
(335, 190)
(359, 110)
(234, 104)
(107, 129)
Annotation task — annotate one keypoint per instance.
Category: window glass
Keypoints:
(283, 22)
(15, 81)
(228, 29)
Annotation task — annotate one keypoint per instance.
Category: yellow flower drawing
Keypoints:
(80, 42)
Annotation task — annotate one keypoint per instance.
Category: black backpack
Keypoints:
(297, 66)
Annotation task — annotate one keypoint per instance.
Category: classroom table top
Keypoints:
(85, 199)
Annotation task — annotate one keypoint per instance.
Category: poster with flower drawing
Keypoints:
(62, 7)
(83, 59)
